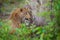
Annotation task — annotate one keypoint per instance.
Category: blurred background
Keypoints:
(50, 9)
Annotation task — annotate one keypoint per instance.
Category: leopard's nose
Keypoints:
(26, 18)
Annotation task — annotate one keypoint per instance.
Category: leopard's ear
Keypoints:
(21, 9)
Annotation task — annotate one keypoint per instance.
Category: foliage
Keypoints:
(57, 17)
(47, 32)
(24, 33)
(7, 5)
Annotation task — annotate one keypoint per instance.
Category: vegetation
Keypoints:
(47, 32)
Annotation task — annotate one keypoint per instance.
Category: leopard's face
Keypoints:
(27, 17)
